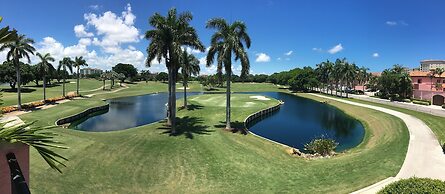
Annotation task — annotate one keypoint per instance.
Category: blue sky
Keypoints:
(285, 34)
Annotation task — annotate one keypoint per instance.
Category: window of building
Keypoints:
(419, 81)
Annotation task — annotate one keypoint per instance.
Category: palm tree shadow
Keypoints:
(187, 126)
(237, 127)
(191, 107)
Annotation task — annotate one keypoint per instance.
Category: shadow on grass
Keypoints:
(23, 90)
(211, 89)
(187, 126)
(237, 127)
(191, 107)
(47, 85)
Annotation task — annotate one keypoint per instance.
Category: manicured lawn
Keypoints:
(35, 93)
(205, 158)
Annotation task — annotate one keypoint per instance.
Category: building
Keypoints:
(428, 65)
(88, 71)
(426, 87)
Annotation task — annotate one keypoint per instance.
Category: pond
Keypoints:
(297, 122)
(300, 120)
(128, 112)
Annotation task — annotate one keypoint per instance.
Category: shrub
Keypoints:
(426, 103)
(8, 109)
(406, 100)
(323, 146)
(415, 185)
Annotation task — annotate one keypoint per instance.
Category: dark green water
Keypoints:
(297, 122)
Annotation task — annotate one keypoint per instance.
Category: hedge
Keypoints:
(426, 103)
(415, 185)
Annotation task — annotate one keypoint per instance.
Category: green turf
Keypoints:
(205, 158)
(33, 93)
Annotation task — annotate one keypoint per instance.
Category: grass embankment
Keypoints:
(31, 92)
(204, 158)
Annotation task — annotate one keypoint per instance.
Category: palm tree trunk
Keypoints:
(228, 101)
(44, 88)
(173, 103)
(78, 71)
(103, 88)
(169, 122)
(185, 94)
(19, 94)
(63, 85)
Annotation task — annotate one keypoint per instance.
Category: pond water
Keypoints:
(300, 120)
(297, 122)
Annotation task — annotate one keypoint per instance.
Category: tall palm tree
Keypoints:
(363, 76)
(21, 47)
(329, 68)
(228, 39)
(79, 62)
(338, 75)
(64, 64)
(44, 67)
(189, 67)
(168, 35)
(6, 35)
(349, 74)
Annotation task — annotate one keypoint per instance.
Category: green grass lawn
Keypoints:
(35, 93)
(205, 158)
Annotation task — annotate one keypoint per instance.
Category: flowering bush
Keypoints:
(8, 109)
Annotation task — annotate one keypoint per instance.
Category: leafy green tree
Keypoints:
(394, 83)
(64, 64)
(45, 67)
(146, 75)
(161, 76)
(21, 47)
(128, 70)
(227, 40)
(79, 62)
(363, 76)
(168, 35)
(103, 78)
(189, 67)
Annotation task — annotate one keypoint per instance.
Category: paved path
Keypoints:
(434, 110)
(424, 157)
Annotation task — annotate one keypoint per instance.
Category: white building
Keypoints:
(89, 71)
(427, 65)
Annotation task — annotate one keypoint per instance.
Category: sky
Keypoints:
(285, 34)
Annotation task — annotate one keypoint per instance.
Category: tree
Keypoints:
(349, 74)
(6, 35)
(7, 73)
(64, 64)
(439, 72)
(21, 47)
(228, 39)
(170, 33)
(121, 77)
(103, 78)
(44, 67)
(79, 62)
(394, 83)
(145, 75)
(127, 69)
(189, 67)
(162, 76)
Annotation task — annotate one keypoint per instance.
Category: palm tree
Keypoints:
(21, 47)
(170, 33)
(363, 76)
(44, 67)
(329, 68)
(65, 63)
(228, 39)
(338, 75)
(103, 78)
(79, 62)
(6, 35)
(189, 67)
(349, 74)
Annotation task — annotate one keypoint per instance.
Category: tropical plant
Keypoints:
(36, 137)
(103, 78)
(79, 62)
(170, 33)
(44, 68)
(121, 77)
(228, 39)
(415, 185)
(64, 64)
(128, 70)
(323, 146)
(439, 72)
(189, 67)
(21, 47)
(7, 35)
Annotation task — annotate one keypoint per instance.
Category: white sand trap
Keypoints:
(259, 97)
(181, 88)
(73, 82)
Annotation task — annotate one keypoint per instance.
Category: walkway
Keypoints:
(434, 110)
(424, 157)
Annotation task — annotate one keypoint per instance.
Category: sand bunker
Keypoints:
(259, 97)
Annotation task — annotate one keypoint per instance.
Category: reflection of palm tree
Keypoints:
(227, 40)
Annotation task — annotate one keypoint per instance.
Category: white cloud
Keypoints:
(115, 30)
(288, 53)
(80, 31)
(192, 51)
(375, 55)
(94, 7)
(391, 23)
(317, 49)
(279, 58)
(262, 57)
(337, 48)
